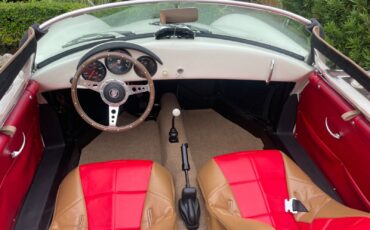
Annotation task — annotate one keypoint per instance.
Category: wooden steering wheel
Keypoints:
(114, 92)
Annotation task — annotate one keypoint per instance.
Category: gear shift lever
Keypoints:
(173, 134)
(189, 203)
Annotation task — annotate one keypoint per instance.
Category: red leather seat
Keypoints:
(248, 190)
(128, 194)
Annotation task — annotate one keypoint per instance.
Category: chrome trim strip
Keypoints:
(272, 66)
(247, 5)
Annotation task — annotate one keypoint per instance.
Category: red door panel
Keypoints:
(346, 160)
(16, 173)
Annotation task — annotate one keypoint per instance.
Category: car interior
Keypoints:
(139, 136)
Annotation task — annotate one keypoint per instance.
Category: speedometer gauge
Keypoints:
(118, 65)
(94, 72)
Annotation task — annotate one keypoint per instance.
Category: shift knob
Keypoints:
(173, 134)
(176, 112)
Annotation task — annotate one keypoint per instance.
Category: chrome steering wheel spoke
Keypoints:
(95, 86)
(136, 89)
(113, 115)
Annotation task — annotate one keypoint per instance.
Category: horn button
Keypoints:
(114, 92)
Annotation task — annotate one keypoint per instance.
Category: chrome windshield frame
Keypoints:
(295, 17)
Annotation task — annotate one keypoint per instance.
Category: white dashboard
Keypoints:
(201, 58)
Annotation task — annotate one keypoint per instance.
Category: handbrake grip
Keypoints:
(184, 156)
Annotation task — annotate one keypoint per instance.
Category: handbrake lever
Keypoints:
(185, 163)
(189, 203)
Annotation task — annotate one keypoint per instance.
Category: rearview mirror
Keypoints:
(181, 15)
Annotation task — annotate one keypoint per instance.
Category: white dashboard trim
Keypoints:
(202, 58)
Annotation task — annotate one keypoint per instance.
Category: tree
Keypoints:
(346, 24)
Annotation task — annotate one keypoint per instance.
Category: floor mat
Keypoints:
(210, 134)
(141, 142)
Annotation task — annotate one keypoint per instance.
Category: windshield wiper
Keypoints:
(97, 36)
(88, 38)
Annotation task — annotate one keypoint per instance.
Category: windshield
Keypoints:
(142, 19)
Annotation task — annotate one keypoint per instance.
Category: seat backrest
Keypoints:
(253, 186)
(126, 194)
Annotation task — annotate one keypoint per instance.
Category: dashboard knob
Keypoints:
(165, 73)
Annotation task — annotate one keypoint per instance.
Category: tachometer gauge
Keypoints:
(118, 65)
(95, 72)
(149, 64)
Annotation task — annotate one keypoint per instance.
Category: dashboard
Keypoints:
(178, 59)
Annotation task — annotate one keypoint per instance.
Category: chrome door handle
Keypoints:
(14, 154)
(335, 135)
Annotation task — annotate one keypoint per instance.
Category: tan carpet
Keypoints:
(141, 142)
(172, 155)
(210, 134)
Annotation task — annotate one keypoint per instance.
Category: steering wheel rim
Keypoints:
(119, 83)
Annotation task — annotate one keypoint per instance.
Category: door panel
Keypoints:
(16, 173)
(346, 160)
